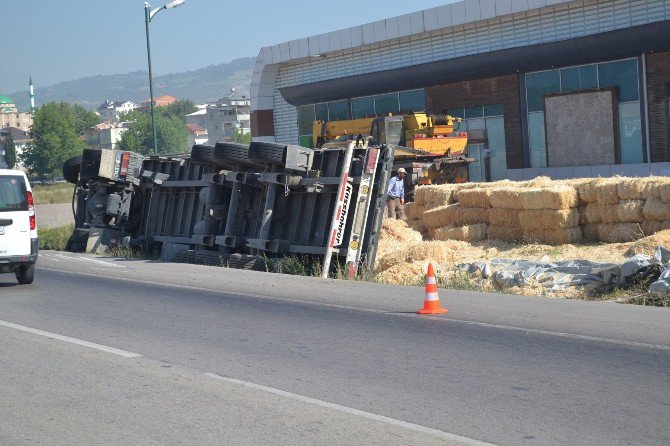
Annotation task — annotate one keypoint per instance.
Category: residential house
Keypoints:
(111, 111)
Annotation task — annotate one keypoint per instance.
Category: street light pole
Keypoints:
(148, 15)
(147, 20)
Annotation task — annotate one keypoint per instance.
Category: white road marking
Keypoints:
(103, 348)
(88, 260)
(351, 411)
(374, 310)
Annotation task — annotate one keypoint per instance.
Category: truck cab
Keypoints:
(18, 228)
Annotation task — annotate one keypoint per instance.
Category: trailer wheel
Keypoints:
(267, 153)
(202, 154)
(71, 169)
(231, 153)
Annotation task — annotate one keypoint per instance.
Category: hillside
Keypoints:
(204, 84)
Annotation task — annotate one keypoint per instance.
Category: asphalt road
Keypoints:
(305, 361)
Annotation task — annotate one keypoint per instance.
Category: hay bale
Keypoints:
(434, 194)
(608, 213)
(504, 233)
(630, 211)
(656, 210)
(619, 232)
(543, 181)
(553, 236)
(474, 198)
(470, 216)
(630, 188)
(410, 211)
(549, 219)
(440, 216)
(506, 198)
(504, 217)
(607, 191)
(650, 227)
(662, 190)
(592, 213)
(418, 226)
(469, 233)
(554, 197)
(655, 187)
(587, 190)
(591, 232)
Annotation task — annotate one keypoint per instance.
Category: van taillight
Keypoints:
(125, 161)
(31, 210)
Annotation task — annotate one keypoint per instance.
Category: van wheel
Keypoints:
(25, 274)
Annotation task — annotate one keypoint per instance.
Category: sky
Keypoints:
(60, 40)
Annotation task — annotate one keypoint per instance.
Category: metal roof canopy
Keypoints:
(610, 45)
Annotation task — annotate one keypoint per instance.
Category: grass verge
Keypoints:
(54, 238)
(52, 193)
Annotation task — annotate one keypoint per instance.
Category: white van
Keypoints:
(18, 229)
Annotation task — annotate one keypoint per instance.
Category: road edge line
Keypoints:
(93, 345)
(351, 411)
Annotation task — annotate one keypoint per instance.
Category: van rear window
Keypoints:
(13, 194)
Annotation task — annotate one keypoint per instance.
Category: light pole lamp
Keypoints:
(148, 15)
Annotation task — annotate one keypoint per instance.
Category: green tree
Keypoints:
(54, 140)
(83, 119)
(240, 137)
(170, 131)
(179, 109)
(10, 151)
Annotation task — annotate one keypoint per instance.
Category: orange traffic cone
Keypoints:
(431, 303)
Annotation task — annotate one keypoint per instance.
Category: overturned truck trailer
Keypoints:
(238, 205)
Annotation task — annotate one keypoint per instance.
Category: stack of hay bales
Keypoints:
(466, 220)
(550, 215)
(618, 210)
(612, 210)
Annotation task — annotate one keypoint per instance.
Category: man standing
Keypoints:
(395, 198)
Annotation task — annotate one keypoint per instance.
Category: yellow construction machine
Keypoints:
(434, 151)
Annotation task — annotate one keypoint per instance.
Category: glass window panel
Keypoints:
(305, 119)
(321, 112)
(540, 84)
(412, 101)
(473, 124)
(362, 107)
(570, 79)
(493, 110)
(474, 112)
(630, 132)
(338, 111)
(305, 141)
(495, 136)
(456, 112)
(588, 77)
(536, 139)
(387, 103)
(621, 74)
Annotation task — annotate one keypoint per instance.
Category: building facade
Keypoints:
(227, 114)
(105, 135)
(564, 88)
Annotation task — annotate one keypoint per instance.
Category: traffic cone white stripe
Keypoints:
(431, 296)
(430, 280)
